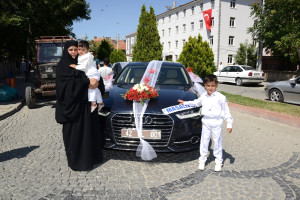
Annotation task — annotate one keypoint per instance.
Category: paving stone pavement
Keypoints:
(261, 161)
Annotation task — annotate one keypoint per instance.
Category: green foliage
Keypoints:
(198, 55)
(117, 56)
(94, 46)
(147, 46)
(246, 55)
(21, 22)
(104, 50)
(277, 25)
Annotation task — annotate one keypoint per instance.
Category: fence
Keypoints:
(274, 75)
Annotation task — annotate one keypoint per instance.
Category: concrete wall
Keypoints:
(271, 75)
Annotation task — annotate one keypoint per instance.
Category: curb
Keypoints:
(10, 113)
(274, 116)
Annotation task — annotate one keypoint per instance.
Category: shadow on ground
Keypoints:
(16, 153)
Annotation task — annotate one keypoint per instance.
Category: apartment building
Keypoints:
(230, 21)
(130, 41)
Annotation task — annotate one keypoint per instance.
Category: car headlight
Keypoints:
(195, 112)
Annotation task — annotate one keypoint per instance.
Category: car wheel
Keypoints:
(275, 95)
(29, 97)
(239, 81)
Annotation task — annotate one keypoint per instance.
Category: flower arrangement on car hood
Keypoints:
(140, 93)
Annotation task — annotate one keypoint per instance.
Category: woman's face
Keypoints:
(73, 51)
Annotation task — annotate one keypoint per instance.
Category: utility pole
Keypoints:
(260, 46)
(118, 41)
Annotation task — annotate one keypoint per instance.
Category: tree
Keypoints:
(198, 55)
(104, 50)
(117, 56)
(246, 55)
(22, 22)
(147, 46)
(277, 25)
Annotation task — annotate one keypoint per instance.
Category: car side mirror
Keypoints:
(293, 82)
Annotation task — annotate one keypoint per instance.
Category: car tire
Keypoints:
(29, 97)
(275, 95)
(239, 81)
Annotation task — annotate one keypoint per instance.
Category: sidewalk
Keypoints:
(9, 108)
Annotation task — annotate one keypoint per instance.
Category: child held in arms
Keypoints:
(214, 110)
(87, 64)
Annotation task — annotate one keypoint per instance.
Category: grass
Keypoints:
(289, 109)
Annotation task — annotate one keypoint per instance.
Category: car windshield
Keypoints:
(49, 52)
(168, 75)
(247, 68)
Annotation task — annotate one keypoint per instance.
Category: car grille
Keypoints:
(158, 122)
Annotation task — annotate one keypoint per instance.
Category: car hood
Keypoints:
(168, 96)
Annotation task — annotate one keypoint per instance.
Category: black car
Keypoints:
(175, 132)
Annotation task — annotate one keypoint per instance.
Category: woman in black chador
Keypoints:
(81, 128)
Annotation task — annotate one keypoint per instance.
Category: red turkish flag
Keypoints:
(207, 18)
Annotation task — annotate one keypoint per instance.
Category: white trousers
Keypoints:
(211, 129)
(94, 95)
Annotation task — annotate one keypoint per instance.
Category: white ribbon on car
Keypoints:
(145, 150)
(197, 86)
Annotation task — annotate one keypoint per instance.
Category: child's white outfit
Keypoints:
(214, 110)
(87, 64)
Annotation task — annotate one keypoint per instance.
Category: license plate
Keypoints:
(49, 70)
(146, 134)
(256, 74)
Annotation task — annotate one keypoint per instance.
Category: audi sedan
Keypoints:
(284, 91)
(167, 126)
(240, 74)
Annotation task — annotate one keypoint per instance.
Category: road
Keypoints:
(261, 161)
(252, 91)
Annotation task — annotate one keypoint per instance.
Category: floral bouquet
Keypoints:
(140, 92)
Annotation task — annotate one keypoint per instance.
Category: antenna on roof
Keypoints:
(171, 7)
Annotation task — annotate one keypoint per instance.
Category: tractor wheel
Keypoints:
(29, 97)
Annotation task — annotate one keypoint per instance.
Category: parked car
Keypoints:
(240, 74)
(117, 67)
(175, 132)
(284, 91)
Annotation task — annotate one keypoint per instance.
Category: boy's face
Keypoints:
(82, 50)
(210, 87)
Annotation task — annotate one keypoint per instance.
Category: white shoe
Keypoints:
(201, 165)
(218, 167)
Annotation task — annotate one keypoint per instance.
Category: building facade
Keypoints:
(230, 21)
(130, 41)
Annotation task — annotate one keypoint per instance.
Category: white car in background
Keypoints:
(240, 74)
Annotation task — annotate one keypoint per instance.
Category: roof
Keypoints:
(177, 8)
(165, 63)
(131, 34)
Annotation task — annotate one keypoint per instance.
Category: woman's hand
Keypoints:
(93, 83)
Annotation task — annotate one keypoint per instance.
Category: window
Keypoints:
(169, 31)
(176, 44)
(212, 3)
(184, 28)
(162, 44)
(176, 57)
(184, 12)
(169, 45)
(177, 15)
(201, 7)
(192, 26)
(201, 24)
(212, 22)
(229, 60)
(183, 42)
(231, 21)
(211, 40)
(163, 32)
(169, 18)
(193, 9)
(177, 29)
(232, 4)
(231, 40)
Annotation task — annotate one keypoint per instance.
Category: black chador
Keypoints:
(81, 128)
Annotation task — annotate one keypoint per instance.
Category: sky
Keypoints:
(112, 17)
